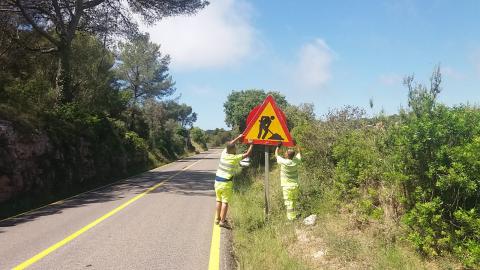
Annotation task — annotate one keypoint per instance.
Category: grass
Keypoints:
(259, 244)
(349, 248)
(335, 242)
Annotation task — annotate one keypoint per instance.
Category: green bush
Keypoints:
(422, 164)
(218, 137)
(436, 148)
(199, 136)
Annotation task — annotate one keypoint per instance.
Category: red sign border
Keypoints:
(281, 119)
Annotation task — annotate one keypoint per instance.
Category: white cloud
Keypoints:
(390, 79)
(218, 36)
(313, 67)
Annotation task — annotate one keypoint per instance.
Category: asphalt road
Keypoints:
(170, 227)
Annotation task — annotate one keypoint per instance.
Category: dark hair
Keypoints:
(231, 148)
(290, 153)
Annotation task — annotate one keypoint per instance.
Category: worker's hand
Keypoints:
(250, 141)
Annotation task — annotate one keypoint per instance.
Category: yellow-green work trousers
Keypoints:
(290, 198)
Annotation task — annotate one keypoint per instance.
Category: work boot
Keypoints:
(225, 224)
(217, 221)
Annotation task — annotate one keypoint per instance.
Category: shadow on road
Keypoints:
(192, 183)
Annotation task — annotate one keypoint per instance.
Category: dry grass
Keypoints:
(260, 244)
(336, 243)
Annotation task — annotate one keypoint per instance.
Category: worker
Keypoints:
(228, 166)
(289, 178)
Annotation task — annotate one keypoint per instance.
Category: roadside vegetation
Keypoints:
(260, 244)
(218, 137)
(85, 98)
(390, 192)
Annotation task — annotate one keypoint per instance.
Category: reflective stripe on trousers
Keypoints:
(290, 197)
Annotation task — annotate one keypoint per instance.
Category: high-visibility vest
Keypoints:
(289, 170)
(229, 165)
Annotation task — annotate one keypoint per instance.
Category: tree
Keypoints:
(143, 71)
(199, 136)
(218, 136)
(240, 103)
(182, 113)
(420, 99)
(300, 115)
(155, 116)
(93, 77)
(57, 21)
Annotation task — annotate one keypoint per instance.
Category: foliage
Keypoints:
(240, 103)
(421, 164)
(218, 136)
(181, 112)
(96, 125)
(93, 76)
(317, 141)
(143, 70)
(199, 136)
(259, 244)
(410, 176)
(57, 22)
(438, 148)
(302, 115)
(359, 166)
(143, 73)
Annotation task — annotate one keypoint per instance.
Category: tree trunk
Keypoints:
(132, 119)
(63, 81)
(132, 113)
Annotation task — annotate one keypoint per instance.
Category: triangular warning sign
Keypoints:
(267, 125)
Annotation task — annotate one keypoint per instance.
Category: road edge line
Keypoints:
(214, 261)
(92, 224)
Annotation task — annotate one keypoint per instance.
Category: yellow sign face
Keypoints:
(268, 126)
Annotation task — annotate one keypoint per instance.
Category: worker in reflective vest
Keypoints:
(228, 166)
(289, 179)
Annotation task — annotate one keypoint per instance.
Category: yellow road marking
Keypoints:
(69, 238)
(214, 262)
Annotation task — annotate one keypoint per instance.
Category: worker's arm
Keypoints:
(249, 151)
(277, 153)
(277, 150)
(236, 139)
(299, 149)
(299, 152)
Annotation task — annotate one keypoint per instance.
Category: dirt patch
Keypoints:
(331, 245)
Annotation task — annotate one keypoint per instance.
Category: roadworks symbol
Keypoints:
(264, 129)
(268, 126)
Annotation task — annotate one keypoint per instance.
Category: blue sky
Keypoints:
(330, 53)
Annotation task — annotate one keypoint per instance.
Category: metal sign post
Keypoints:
(267, 170)
(267, 125)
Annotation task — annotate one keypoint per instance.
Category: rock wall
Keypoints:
(45, 162)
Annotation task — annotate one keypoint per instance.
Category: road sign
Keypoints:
(266, 124)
